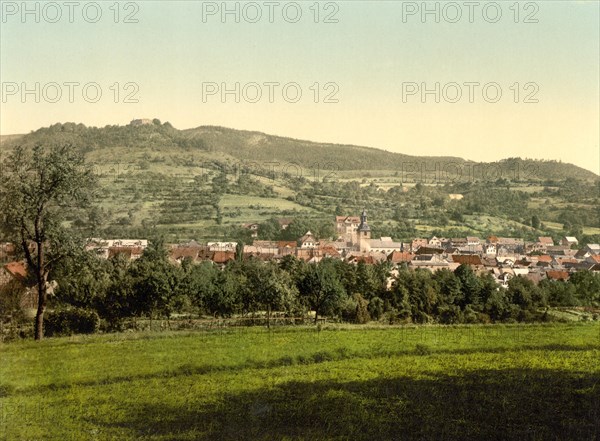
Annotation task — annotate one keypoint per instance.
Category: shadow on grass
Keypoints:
(516, 404)
(337, 354)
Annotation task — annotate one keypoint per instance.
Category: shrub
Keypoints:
(362, 312)
(376, 308)
(349, 309)
(71, 321)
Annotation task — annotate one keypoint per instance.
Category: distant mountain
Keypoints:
(240, 145)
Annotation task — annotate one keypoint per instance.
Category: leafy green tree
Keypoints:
(587, 286)
(155, 281)
(523, 293)
(470, 285)
(38, 187)
(199, 284)
(497, 305)
(365, 282)
(376, 307)
(226, 299)
(321, 288)
(83, 279)
(559, 293)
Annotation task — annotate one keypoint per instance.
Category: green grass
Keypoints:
(349, 383)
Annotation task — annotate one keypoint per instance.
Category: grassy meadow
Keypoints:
(503, 382)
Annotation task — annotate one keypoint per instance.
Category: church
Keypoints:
(355, 231)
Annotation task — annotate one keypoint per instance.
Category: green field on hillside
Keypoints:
(509, 382)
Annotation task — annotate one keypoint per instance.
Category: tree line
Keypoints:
(154, 287)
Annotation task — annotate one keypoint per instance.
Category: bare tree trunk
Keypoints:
(41, 277)
(42, 299)
(269, 317)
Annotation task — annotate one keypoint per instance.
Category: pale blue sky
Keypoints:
(369, 54)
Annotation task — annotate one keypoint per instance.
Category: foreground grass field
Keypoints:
(513, 382)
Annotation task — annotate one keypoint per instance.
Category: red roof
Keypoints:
(223, 256)
(286, 244)
(467, 259)
(17, 269)
(183, 252)
(398, 257)
(557, 275)
(545, 258)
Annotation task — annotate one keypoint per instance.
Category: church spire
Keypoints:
(363, 222)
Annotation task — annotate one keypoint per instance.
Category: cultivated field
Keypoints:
(503, 382)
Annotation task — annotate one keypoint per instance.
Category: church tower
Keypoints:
(364, 234)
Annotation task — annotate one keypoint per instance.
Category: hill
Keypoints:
(240, 145)
(204, 183)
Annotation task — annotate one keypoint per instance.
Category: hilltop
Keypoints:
(240, 145)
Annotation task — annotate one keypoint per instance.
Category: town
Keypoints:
(502, 257)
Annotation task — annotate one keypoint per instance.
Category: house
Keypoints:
(490, 249)
(431, 262)
(467, 259)
(473, 241)
(130, 253)
(470, 249)
(107, 248)
(592, 249)
(560, 251)
(359, 257)
(458, 242)
(557, 275)
(141, 122)
(428, 250)
(13, 276)
(346, 228)
(328, 250)
(285, 247)
(346, 224)
(418, 243)
(384, 245)
(594, 259)
(435, 242)
(545, 241)
(509, 245)
(308, 241)
(544, 260)
(223, 257)
(569, 241)
(222, 246)
(397, 257)
(270, 247)
(194, 253)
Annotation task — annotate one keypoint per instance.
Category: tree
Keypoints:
(587, 287)
(321, 288)
(38, 187)
(155, 281)
(471, 286)
(535, 221)
(273, 287)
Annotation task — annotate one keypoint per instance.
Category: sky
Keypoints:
(480, 80)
